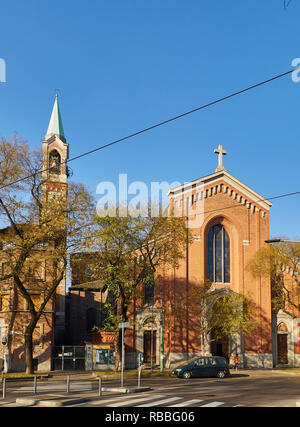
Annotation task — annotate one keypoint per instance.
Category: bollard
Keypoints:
(100, 386)
(139, 376)
(35, 385)
(4, 388)
(68, 384)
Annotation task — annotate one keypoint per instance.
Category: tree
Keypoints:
(272, 261)
(216, 314)
(38, 232)
(131, 251)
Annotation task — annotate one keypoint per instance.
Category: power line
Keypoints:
(202, 107)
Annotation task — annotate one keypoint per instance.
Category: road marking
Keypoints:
(187, 403)
(159, 402)
(122, 398)
(143, 399)
(212, 404)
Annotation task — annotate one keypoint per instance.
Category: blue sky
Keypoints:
(124, 65)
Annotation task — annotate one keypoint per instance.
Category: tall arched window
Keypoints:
(218, 248)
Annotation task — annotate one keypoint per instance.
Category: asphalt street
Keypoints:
(242, 389)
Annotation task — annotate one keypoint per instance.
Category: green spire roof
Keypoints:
(55, 126)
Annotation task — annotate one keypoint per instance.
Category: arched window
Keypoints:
(282, 328)
(218, 251)
(55, 162)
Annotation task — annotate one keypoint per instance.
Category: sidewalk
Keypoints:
(81, 387)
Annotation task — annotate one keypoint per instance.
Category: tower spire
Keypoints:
(55, 125)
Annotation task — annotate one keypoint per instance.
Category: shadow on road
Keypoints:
(238, 375)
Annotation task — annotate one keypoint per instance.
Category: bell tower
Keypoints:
(55, 156)
(55, 186)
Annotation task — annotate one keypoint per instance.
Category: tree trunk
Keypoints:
(29, 351)
(122, 312)
(118, 350)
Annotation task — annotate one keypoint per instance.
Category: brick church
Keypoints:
(230, 223)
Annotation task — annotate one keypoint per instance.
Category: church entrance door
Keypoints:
(149, 342)
(282, 345)
(219, 345)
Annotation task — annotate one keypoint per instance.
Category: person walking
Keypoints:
(236, 361)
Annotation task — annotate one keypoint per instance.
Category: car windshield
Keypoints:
(190, 362)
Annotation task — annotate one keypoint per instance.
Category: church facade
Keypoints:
(229, 226)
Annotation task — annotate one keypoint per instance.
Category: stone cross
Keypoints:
(221, 153)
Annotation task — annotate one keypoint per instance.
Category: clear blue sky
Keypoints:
(122, 65)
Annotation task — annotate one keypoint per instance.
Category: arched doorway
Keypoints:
(282, 343)
(219, 344)
(150, 337)
(224, 316)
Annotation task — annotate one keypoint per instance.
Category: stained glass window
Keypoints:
(218, 253)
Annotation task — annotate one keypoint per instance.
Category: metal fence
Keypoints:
(68, 358)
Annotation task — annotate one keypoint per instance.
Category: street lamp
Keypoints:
(281, 241)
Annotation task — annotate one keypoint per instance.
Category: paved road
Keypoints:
(239, 390)
(262, 388)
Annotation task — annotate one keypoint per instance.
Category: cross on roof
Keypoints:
(221, 153)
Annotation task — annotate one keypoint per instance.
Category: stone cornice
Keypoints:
(223, 182)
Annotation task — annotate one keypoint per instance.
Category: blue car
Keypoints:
(213, 366)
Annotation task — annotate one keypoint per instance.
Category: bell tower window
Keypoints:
(55, 162)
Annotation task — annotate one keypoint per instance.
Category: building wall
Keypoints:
(247, 225)
(14, 315)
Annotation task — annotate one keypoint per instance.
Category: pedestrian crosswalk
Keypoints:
(157, 400)
(147, 400)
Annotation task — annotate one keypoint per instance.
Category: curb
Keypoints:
(53, 403)
(26, 401)
(66, 402)
(116, 389)
(126, 390)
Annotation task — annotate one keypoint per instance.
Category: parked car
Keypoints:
(213, 366)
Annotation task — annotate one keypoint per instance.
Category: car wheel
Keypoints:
(221, 374)
(186, 375)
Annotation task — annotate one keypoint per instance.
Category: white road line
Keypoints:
(187, 403)
(212, 404)
(129, 402)
(159, 402)
(122, 398)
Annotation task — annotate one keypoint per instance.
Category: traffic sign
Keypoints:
(124, 325)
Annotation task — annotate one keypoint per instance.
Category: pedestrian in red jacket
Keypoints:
(236, 361)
